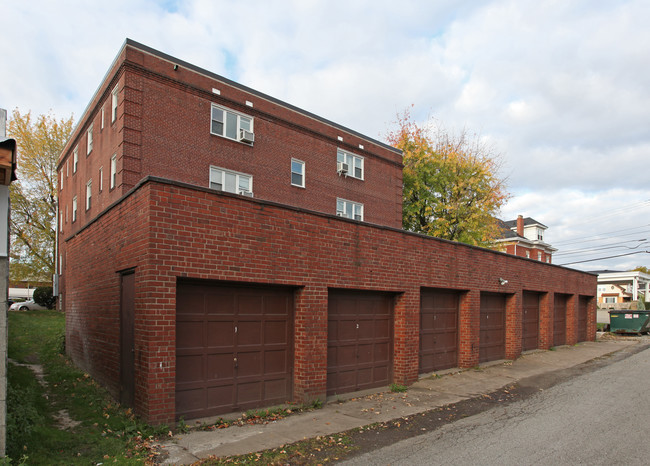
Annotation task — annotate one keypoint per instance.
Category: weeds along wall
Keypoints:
(167, 231)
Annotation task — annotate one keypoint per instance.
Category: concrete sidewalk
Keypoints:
(426, 394)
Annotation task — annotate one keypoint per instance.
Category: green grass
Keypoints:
(398, 388)
(107, 433)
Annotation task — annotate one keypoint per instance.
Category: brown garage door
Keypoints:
(530, 321)
(493, 327)
(582, 318)
(438, 330)
(359, 341)
(233, 348)
(559, 320)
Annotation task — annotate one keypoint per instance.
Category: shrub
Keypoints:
(43, 296)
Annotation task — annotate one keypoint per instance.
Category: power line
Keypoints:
(605, 246)
(601, 236)
(608, 257)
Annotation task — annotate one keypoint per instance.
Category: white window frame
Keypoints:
(241, 121)
(218, 177)
(61, 221)
(354, 162)
(89, 194)
(113, 180)
(75, 159)
(540, 234)
(74, 209)
(89, 140)
(101, 119)
(608, 298)
(101, 179)
(300, 173)
(349, 209)
(114, 103)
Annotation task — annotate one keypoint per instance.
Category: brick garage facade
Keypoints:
(168, 231)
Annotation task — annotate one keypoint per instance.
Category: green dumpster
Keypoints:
(629, 321)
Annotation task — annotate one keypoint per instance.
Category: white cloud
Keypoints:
(559, 87)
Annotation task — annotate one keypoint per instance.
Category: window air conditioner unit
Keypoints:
(246, 193)
(342, 167)
(246, 136)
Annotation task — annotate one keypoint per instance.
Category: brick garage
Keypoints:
(166, 232)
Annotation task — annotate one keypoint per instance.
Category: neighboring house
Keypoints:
(622, 287)
(221, 250)
(525, 237)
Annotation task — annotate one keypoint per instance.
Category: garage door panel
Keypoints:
(251, 324)
(359, 340)
(275, 305)
(220, 334)
(249, 333)
(492, 330)
(220, 366)
(438, 330)
(190, 334)
(346, 330)
(275, 389)
(275, 362)
(250, 306)
(276, 333)
(191, 400)
(249, 364)
(220, 398)
(530, 321)
(189, 368)
(583, 310)
(219, 303)
(559, 320)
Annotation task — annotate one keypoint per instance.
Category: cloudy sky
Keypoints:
(560, 88)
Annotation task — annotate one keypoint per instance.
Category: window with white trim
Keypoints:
(113, 171)
(114, 104)
(231, 181)
(89, 193)
(74, 209)
(539, 255)
(61, 221)
(89, 140)
(101, 179)
(229, 124)
(297, 173)
(101, 120)
(540, 234)
(349, 209)
(610, 299)
(75, 159)
(354, 163)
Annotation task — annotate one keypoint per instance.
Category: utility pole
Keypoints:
(7, 175)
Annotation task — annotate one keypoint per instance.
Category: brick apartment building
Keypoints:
(525, 237)
(222, 250)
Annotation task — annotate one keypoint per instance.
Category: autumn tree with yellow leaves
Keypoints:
(40, 141)
(451, 186)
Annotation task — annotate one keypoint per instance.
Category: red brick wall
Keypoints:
(166, 231)
(163, 129)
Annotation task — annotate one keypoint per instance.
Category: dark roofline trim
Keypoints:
(229, 82)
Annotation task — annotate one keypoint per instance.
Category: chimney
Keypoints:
(520, 225)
